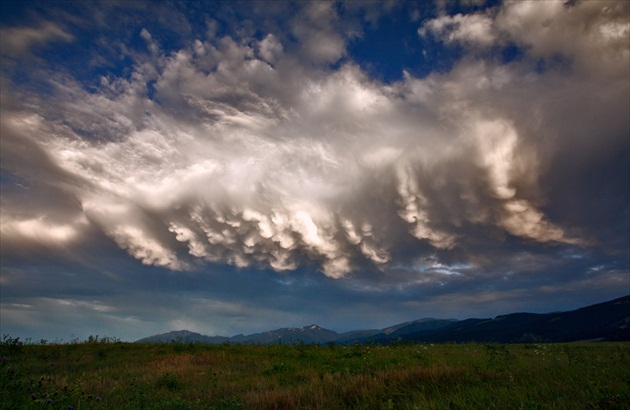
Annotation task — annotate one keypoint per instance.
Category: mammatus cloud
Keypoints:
(247, 151)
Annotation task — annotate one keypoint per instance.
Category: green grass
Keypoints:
(181, 376)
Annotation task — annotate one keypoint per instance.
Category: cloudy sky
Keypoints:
(234, 167)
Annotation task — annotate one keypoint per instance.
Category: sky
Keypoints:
(235, 167)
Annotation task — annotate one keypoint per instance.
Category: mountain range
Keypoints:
(608, 321)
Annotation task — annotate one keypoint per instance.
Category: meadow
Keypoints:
(106, 374)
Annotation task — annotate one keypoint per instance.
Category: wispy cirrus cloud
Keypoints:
(18, 41)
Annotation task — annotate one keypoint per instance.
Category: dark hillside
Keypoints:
(604, 321)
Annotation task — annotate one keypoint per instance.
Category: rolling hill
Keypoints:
(608, 321)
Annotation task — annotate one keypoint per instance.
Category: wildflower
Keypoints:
(52, 364)
(70, 407)
(49, 401)
(98, 398)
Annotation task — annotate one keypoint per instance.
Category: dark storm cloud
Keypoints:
(248, 137)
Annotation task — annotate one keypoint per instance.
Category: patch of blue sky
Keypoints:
(557, 62)
(511, 52)
(7, 179)
(435, 266)
(392, 45)
(456, 7)
(574, 255)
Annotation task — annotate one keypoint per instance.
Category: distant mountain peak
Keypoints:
(602, 321)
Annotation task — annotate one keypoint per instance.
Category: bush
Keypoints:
(11, 346)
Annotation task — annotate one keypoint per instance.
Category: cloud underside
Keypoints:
(253, 153)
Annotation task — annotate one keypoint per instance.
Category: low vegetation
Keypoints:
(108, 374)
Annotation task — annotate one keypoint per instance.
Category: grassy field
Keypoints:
(96, 375)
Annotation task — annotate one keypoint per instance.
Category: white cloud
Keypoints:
(314, 27)
(41, 231)
(323, 47)
(548, 29)
(18, 41)
(153, 46)
(270, 49)
(248, 154)
(471, 29)
(551, 28)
